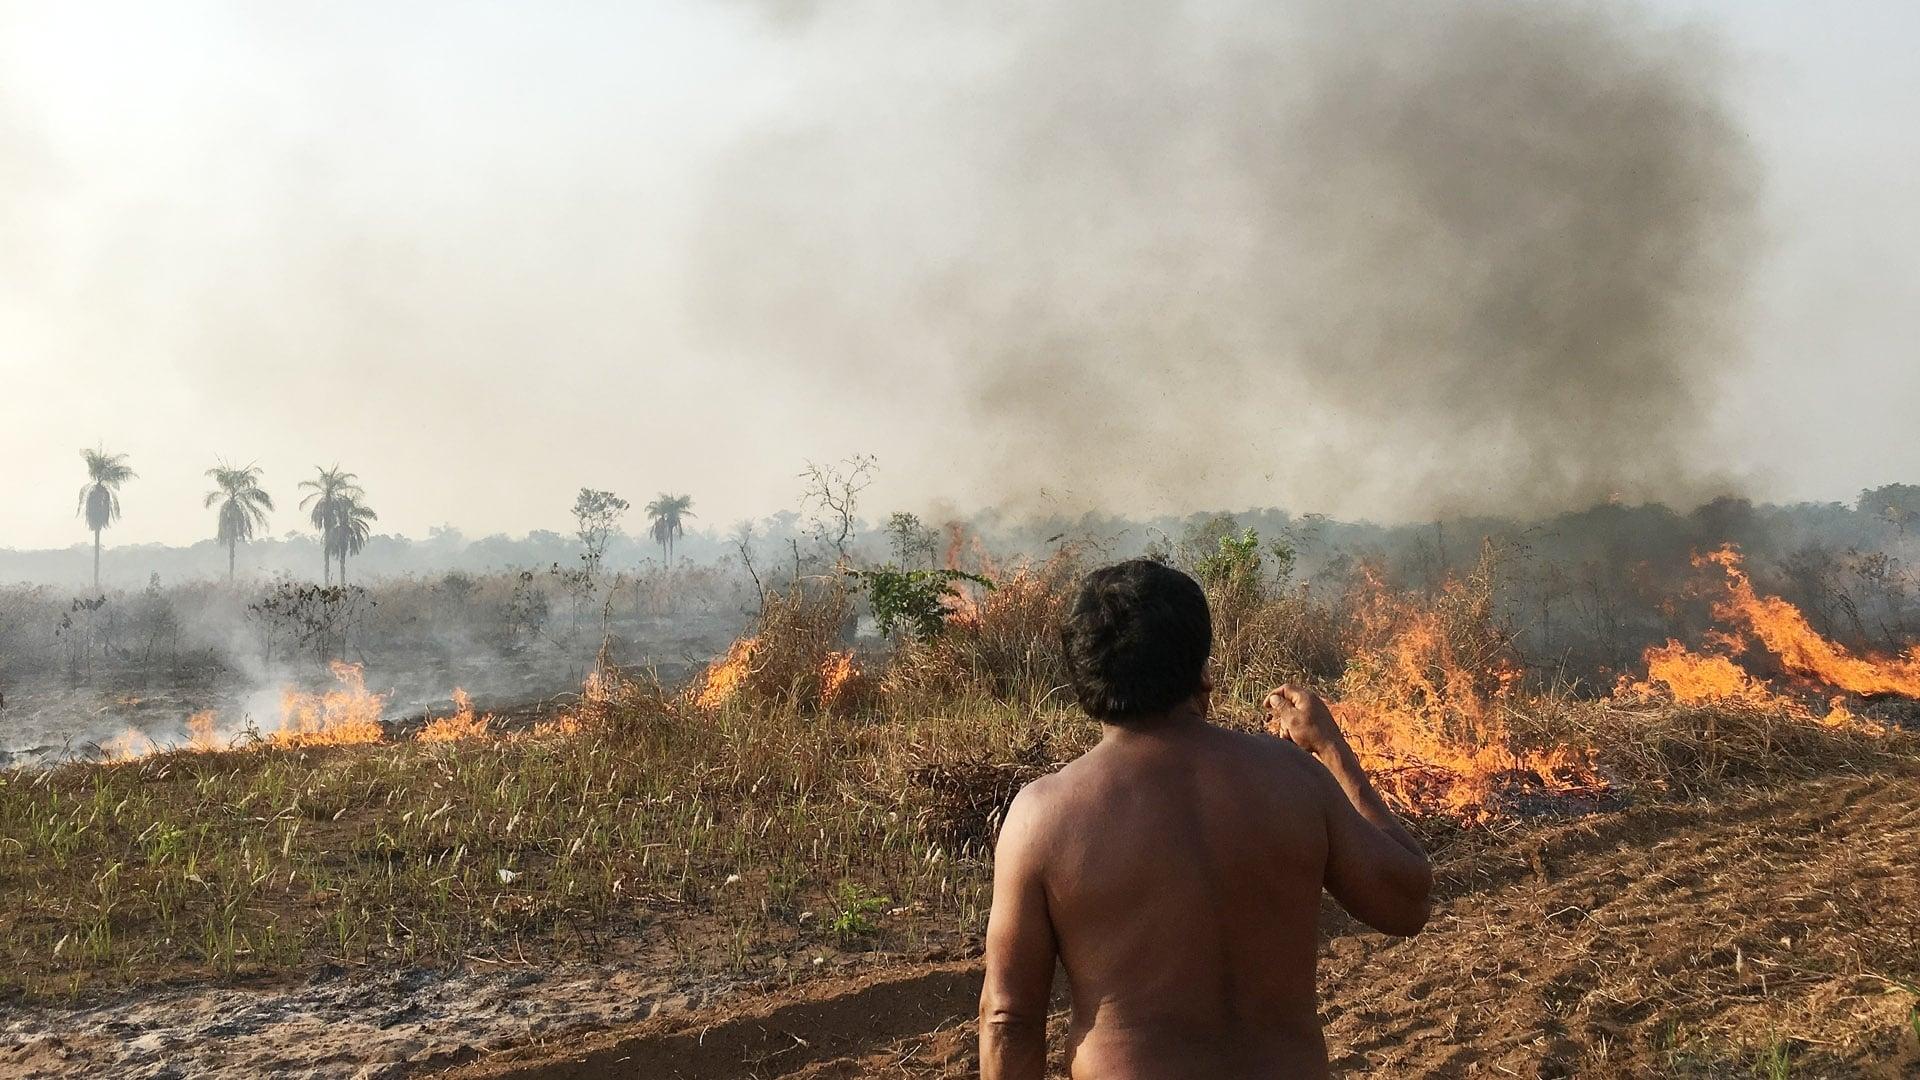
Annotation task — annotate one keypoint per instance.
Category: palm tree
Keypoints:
(243, 506)
(666, 512)
(100, 498)
(328, 494)
(351, 530)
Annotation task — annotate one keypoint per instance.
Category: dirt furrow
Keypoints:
(1674, 939)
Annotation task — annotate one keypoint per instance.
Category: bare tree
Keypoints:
(833, 494)
(743, 543)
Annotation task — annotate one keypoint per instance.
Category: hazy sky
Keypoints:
(459, 250)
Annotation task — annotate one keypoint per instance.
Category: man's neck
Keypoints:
(1183, 719)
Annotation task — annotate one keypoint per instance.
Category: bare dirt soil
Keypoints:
(1775, 934)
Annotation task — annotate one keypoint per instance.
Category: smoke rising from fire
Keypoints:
(1391, 257)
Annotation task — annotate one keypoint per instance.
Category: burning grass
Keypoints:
(462, 723)
(1821, 674)
(1802, 653)
(346, 715)
(793, 656)
(721, 825)
(1001, 643)
(642, 815)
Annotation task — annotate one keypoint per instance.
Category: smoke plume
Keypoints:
(1391, 258)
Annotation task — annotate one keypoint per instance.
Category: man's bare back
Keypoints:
(1175, 871)
(1180, 874)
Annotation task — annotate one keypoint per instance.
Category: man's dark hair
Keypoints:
(1136, 640)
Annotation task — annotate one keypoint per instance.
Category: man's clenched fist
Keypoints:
(1302, 717)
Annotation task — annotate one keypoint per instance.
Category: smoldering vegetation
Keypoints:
(130, 669)
(1580, 597)
(1393, 258)
(835, 779)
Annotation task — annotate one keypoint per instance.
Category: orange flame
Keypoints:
(727, 675)
(460, 724)
(129, 745)
(837, 674)
(345, 716)
(961, 607)
(200, 731)
(598, 697)
(1839, 716)
(1691, 678)
(1785, 632)
(963, 544)
(1427, 721)
(565, 723)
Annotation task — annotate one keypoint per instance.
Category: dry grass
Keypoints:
(722, 835)
(1664, 750)
(648, 817)
(1290, 639)
(1004, 644)
(786, 656)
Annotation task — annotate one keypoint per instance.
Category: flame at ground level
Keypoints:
(126, 746)
(1680, 674)
(1691, 678)
(1802, 651)
(461, 724)
(1424, 700)
(727, 675)
(201, 733)
(344, 716)
(1429, 699)
(1418, 768)
(837, 678)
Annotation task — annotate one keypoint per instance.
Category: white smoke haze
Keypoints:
(1389, 258)
(1394, 260)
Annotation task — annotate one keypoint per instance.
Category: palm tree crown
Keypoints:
(100, 496)
(351, 530)
(329, 495)
(667, 512)
(243, 506)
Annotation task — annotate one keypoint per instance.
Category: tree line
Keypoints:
(336, 507)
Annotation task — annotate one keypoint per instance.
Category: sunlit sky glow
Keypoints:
(445, 245)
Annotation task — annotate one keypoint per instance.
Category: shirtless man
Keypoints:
(1175, 869)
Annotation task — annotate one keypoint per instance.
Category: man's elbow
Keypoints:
(1400, 901)
(1013, 1040)
(1405, 921)
(1011, 1018)
(1414, 906)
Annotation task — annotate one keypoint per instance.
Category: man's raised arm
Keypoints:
(1375, 868)
(1020, 952)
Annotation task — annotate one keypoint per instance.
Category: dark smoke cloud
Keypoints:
(1396, 258)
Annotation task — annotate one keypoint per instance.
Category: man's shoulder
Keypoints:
(1057, 793)
(1281, 767)
(1044, 791)
(1031, 817)
(1266, 748)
